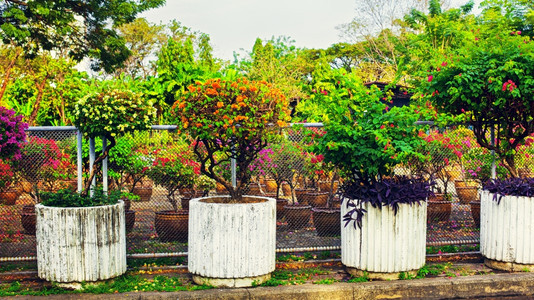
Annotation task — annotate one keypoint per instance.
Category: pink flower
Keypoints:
(430, 77)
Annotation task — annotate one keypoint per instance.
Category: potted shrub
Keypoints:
(91, 236)
(366, 139)
(231, 119)
(499, 68)
(173, 168)
(12, 137)
(440, 153)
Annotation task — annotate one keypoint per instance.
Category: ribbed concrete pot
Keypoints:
(80, 244)
(232, 245)
(506, 232)
(387, 244)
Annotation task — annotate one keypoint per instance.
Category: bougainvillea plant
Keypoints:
(231, 119)
(366, 139)
(173, 168)
(111, 113)
(12, 134)
(490, 83)
(6, 176)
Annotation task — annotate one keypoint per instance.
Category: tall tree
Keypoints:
(79, 28)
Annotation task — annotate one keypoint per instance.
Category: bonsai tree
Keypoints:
(490, 84)
(111, 113)
(230, 119)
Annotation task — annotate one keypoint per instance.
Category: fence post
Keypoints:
(79, 153)
(104, 166)
(91, 163)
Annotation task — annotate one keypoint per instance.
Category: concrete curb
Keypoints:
(479, 286)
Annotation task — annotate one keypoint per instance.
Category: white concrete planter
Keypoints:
(387, 244)
(506, 232)
(80, 244)
(231, 245)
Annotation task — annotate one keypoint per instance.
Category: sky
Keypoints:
(235, 24)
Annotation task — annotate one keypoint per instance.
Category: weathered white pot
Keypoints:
(232, 245)
(80, 244)
(506, 232)
(387, 244)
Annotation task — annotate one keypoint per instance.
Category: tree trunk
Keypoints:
(37, 105)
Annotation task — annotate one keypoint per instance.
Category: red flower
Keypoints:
(430, 77)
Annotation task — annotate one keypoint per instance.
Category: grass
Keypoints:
(121, 284)
(323, 255)
(452, 249)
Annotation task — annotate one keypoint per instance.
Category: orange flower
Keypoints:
(220, 104)
(191, 88)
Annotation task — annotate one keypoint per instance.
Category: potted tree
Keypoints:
(89, 234)
(366, 139)
(173, 168)
(232, 119)
(12, 137)
(499, 67)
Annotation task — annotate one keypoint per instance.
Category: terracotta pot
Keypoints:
(317, 199)
(144, 193)
(270, 186)
(25, 186)
(28, 219)
(325, 186)
(193, 194)
(280, 203)
(297, 216)
(9, 197)
(127, 203)
(327, 221)
(185, 202)
(172, 225)
(286, 189)
(129, 219)
(475, 212)
(467, 194)
(255, 189)
(438, 209)
(465, 183)
(302, 198)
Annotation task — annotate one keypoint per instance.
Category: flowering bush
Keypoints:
(111, 113)
(12, 134)
(42, 160)
(490, 84)
(439, 154)
(173, 169)
(6, 175)
(230, 119)
(366, 140)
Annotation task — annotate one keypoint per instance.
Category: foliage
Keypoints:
(69, 198)
(174, 169)
(12, 134)
(285, 162)
(390, 192)
(513, 186)
(111, 113)
(491, 84)
(230, 119)
(82, 28)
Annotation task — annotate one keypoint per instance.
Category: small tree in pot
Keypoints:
(231, 119)
(174, 169)
(108, 114)
(366, 139)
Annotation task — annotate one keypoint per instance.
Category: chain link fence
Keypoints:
(158, 170)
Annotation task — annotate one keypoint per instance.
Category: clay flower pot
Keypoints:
(327, 221)
(297, 215)
(172, 225)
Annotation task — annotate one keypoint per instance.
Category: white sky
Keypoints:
(235, 24)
